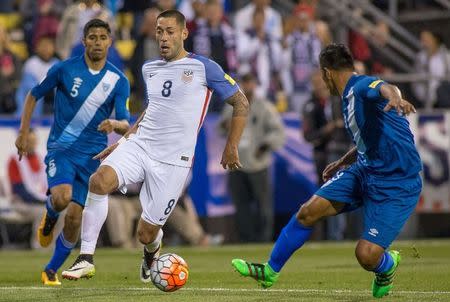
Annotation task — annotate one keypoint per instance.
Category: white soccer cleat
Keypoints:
(80, 269)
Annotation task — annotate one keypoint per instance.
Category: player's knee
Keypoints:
(305, 216)
(367, 258)
(98, 183)
(60, 201)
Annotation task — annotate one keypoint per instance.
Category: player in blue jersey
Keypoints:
(381, 174)
(88, 90)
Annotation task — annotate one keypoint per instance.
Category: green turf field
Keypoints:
(319, 272)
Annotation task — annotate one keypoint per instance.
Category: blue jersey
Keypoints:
(83, 99)
(384, 141)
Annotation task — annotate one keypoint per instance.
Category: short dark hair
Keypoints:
(94, 23)
(336, 57)
(173, 13)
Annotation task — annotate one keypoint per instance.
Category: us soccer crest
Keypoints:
(187, 76)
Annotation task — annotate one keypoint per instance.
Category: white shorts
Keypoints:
(162, 184)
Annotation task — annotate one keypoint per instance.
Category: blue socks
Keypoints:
(51, 212)
(291, 238)
(385, 264)
(62, 251)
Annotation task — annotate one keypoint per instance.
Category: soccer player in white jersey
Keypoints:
(158, 150)
(88, 90)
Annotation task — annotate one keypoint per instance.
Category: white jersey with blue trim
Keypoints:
(83, 99)
(178, 95)
(384, 140)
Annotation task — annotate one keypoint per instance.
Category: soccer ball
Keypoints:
(169, 272)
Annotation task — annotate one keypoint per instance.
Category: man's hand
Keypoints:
(107, 151)
(395, 100)
(107, 126)
(331, 169)
(22, 143)
(230, 158)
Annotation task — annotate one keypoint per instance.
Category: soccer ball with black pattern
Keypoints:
(169, 272)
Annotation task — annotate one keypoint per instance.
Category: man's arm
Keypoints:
(346, 160)
(102, 155)
(230, 157)
(395, 100)
(22, 138)
(110, 125)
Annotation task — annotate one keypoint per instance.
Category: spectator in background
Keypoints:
(70, 30)
(214, 38)
(324, 128)
(135, 9)
(260, 54)
(434, 61)
(163, 5)
(243, 18)
(41, 18)
(147, 48)
(29, 183)
(34, 70)
(301, 58)
(191, 9)
(199, 13)
(250, 186)
(10, 70)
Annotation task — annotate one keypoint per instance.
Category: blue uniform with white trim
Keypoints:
(385, 179)
(84, 98)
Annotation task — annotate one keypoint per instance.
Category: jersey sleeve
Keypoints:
(50, 81)
(369, 88)
(121, 100)
(217, 80)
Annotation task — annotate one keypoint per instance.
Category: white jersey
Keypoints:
(178, 95)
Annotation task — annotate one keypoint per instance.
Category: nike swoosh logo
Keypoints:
(75, 269)
(162, 219)
(151, 75)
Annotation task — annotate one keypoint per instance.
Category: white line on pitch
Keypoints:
(220, 289)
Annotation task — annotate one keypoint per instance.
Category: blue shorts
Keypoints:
(63, 168)
(387, 202)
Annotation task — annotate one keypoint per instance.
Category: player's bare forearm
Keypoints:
(28, 109)
(349, 157)
(230, 156)
(395, 100)
(240, 112)
(121, 127)
(22, 138)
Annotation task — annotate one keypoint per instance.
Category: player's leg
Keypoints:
(60, 176)
(388, 205)
(101, 183)
(150, 235)
(120, 168)
(344, 186)
(291, 238)
(64, 244)
(162, 186)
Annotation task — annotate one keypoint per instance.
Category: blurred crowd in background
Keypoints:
(270, 47)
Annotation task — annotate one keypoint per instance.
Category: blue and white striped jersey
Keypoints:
(384, 141)
(83, 99)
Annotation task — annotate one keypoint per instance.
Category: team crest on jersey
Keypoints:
(106, 86)
(187, 76)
